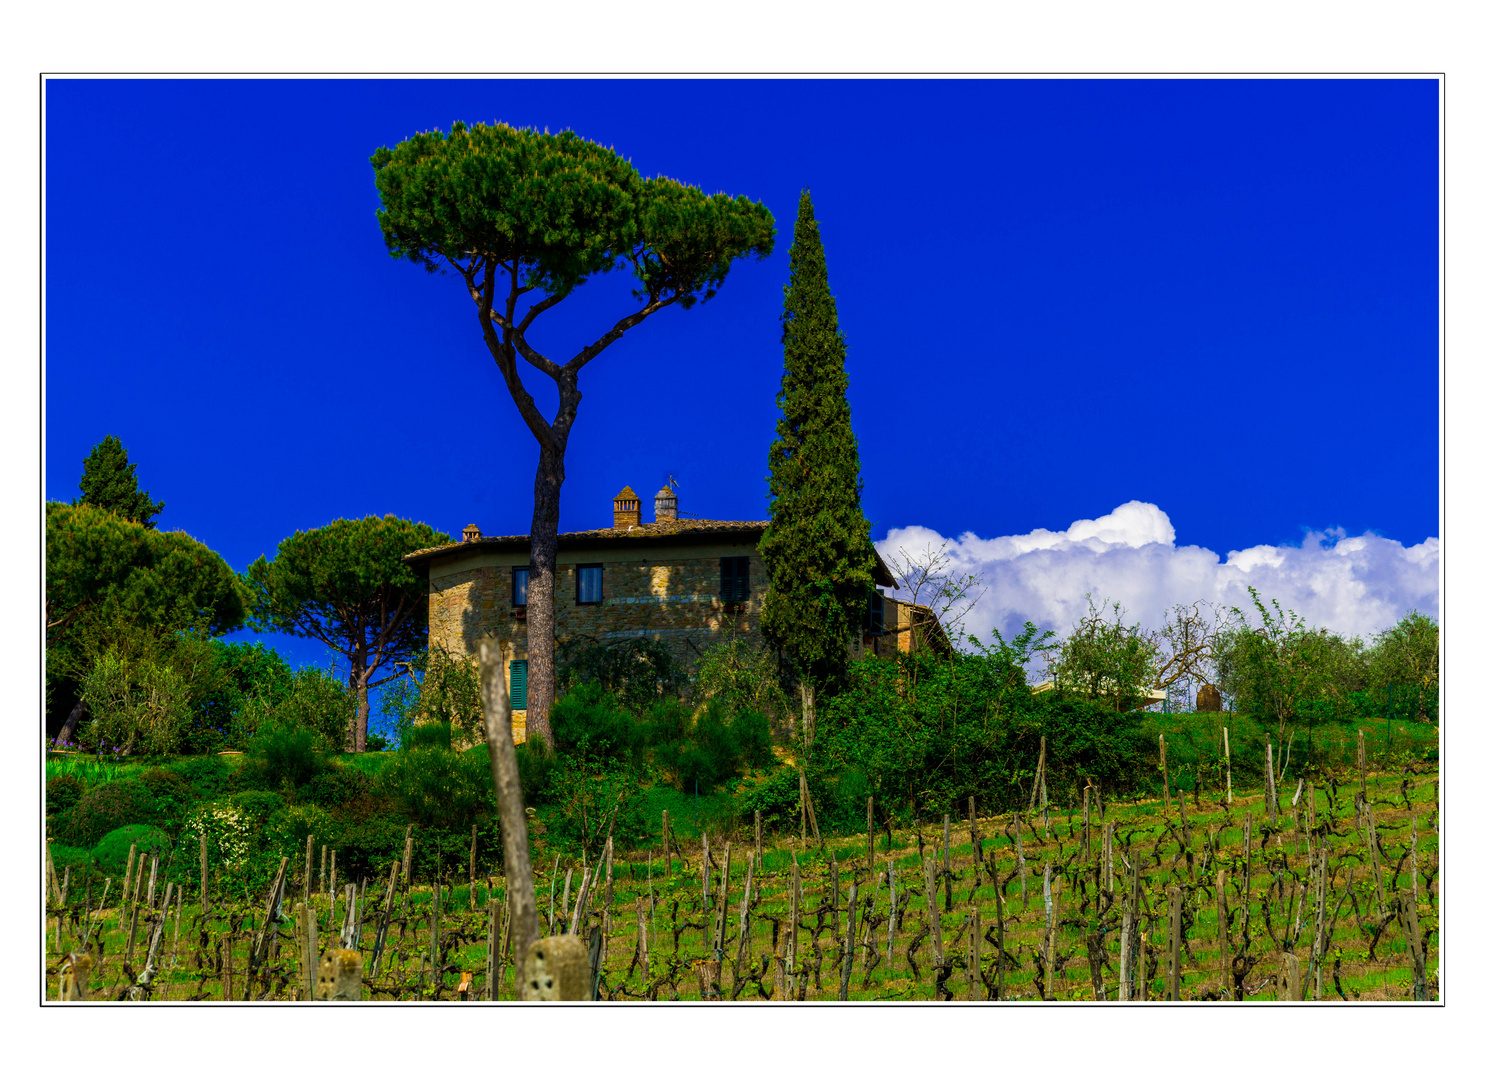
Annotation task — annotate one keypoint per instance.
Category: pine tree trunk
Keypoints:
(541, 596)
(357, 740)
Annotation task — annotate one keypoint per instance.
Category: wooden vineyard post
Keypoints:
(975, 857)
(331, 924)
(320, 880)
(1414, 863)
(791, 953)
(930, 895)
(664, 843)
(381, 933)
(974, 955)
(871, 834)
(1173, 946)
(1085, 848)
(845, 978)
(1164, 777)
(310, 961)
(999, 931)
(803, 816)
(1319, 946)
(1021, 865)
(406, 870)
(1106, 868)
(474, 837)
(1247, 856)
(743, 928)
(128, 880)
(1415, 948)
(758, 834)
(1126, 931)
(1270, 792)
(149, 899)
(1054, 913)
(891, 907)
(1227, 761)
(1361, 759)
(706, 875)
(1370, 825)
(834, 899)
(947, 860)
(1224, 958)
(1041, 770)
(309, 863)
(205, 903)
(720, 937)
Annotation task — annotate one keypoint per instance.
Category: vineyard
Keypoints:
(1326, 892)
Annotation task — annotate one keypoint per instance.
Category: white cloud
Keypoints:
(1350, 584)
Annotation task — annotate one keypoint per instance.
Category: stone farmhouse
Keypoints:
(689, 583)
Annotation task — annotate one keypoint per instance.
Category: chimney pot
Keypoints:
(471, 532)
(665, 509)
(626, 509)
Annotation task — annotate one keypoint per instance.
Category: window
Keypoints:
(590, 584)
(735, 580)
(519, 576)
(876, 615)
(518, 684)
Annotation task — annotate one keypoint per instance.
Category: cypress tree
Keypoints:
(817, 546)
(108, 482)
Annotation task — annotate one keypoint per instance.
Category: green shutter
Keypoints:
(518, 684)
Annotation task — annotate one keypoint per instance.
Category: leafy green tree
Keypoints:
(108, 482)
(441, 688)
(345, 585)
(524, 218)
(1104, 659)
(117, 587)
(817, 546)
(1407, 654)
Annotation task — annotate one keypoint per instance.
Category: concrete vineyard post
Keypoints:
(128, 880)
(492, 946)
(339, 976)
(149, 899)
(999, 935)
(1291, 984)
(721, 932)
(1361, 759)
(320, 879)
(77, 968)
(976, 857)
(331, 923)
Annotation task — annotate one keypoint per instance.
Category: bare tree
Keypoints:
(1186, 644)
(928, 580)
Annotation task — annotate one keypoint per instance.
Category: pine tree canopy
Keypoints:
(108, 482)
(818, 544)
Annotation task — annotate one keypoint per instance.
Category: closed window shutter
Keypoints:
(735, 580)
(518, 684)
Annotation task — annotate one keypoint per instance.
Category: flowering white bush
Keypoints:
(229, 832)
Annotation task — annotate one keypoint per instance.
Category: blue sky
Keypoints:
(1218, 299)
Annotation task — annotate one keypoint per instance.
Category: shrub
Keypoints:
(62, 793)
(283, 754)
(439, 787)
(339, 787)
(314, 701)
(112, 852)
(441, 688)
(140, 705)
(290, 826)
(208, 776)
(75, 857)
(101, 810)
(713, 747)
(592, 724)
(367, 848)
(172, 793)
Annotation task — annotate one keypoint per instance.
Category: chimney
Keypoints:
(665, 505)
(471, 532)
(626, 508)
